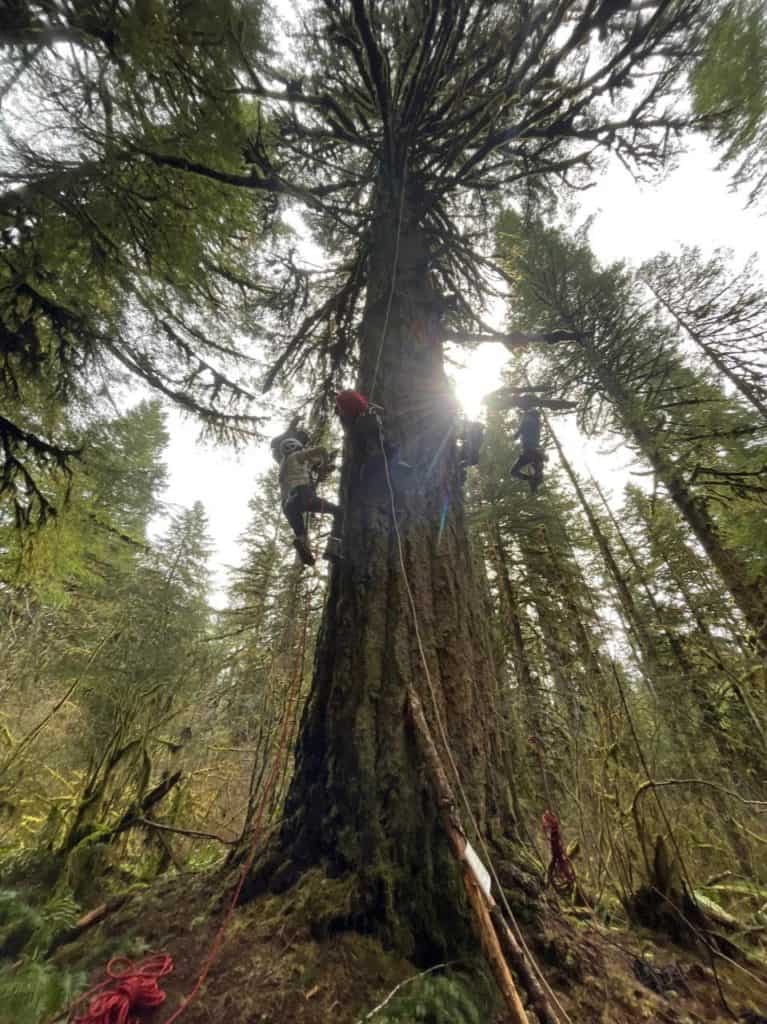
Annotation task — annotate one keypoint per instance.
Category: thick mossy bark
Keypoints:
(360, 801)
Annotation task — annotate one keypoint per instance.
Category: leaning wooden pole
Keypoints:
(477, 887)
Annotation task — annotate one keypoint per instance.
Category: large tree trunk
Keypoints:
(360, 803)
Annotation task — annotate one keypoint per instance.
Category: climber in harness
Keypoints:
(529, 432)
(299, 495)
(361, 419)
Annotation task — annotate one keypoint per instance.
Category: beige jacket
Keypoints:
(294, 469)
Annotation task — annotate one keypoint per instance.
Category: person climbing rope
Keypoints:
(298, 492)
(361, 419)
(529, 432)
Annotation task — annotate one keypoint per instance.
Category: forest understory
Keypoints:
(275, 964)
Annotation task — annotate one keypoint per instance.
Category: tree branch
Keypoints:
(192, 833)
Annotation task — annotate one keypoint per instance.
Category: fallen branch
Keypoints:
(479, 898)
(192, 833)
(87, 921)
(660, 784)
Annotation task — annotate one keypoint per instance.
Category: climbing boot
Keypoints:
(332, 550)
(301, 544)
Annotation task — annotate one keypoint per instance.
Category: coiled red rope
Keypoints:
(129, 987)
(561, 873)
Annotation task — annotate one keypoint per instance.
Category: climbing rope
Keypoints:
(393, 282)
(258, 814)
(129, 987)
(446, 742)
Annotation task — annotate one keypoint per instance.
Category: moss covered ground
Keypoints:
(280, 963)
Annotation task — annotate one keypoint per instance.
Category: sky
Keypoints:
(692, 206)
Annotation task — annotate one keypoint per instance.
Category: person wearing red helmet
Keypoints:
(350, 405)
(362, 416)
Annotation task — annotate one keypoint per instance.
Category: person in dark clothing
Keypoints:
(470, 438)
(360, 419)
(529, 432)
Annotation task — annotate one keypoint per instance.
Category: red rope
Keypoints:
(561, 873)
(248, 863)
(129, 986)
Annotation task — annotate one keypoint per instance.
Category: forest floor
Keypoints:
(271, 970)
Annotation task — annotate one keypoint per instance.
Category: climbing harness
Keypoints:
(299, 479)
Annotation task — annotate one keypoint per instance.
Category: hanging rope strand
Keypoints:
(446, 742)
(392, 284)
(259, 812)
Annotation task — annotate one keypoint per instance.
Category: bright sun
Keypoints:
(479, 375)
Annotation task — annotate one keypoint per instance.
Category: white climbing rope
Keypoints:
(393, 282)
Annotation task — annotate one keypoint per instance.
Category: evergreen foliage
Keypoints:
(729, 87)
(32, 990)
(119, 259)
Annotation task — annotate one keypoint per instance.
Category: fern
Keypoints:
(32, 992)
(28, 929)
(434, 1000)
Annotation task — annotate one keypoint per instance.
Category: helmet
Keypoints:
(351, 404)
(289, 446)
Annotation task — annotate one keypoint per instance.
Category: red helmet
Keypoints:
(351, 404)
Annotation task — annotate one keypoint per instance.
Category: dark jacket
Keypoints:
(530, 429)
